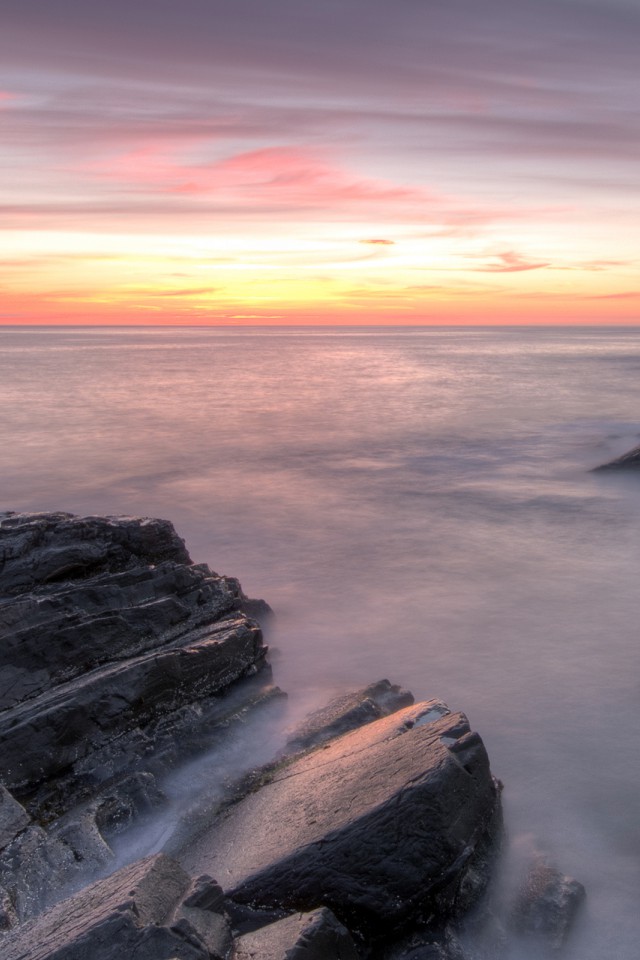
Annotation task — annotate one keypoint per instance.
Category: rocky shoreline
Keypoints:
(374, 833)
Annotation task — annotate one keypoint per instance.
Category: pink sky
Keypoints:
(361, 162)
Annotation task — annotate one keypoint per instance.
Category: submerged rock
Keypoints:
(628, 461)
(384, 825)
(547, 904)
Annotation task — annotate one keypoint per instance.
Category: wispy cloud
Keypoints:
(510, 262)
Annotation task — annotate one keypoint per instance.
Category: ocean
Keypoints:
(414, 504)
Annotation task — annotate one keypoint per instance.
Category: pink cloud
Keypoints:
(511, 262)
(380, 242)
(271, 176)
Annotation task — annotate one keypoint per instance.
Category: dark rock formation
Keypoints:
(144, 911)
(107, 631)
(118, 659)
(628, 461)
(387, 824)
(547, 905)
(43, 548)
(308, 936)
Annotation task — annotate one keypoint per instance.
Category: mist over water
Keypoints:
(414, 504)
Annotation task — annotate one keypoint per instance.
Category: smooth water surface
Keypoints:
(414, 503)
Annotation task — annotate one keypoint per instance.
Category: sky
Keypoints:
(334, 162)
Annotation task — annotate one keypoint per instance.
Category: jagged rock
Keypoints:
(33, 868)
(44, 548)
(131, 913)
(104, 620)
(203, 909)
(628, 461)
(212, 928)
(108, 634)
(311, 936)
(382, 825)
(13, 817)
(547, 904)
(348, 712)
(43, 737)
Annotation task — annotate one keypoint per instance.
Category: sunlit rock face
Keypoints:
(628, 461)
(393, 821)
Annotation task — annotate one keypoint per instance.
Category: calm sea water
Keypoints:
(414, 504)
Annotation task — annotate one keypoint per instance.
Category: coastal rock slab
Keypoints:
(312, 936)
(383, 824)
(130, 914)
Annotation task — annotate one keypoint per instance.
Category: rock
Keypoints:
(628, 461)
(441, 945)
(109, 638)
(383, 825)
(44, 548)
(212, 928)
(131, 913)
(34, 867)
(547, 904)
(8, 915)
(13, 817)
(104, 620)
(348, 712)
(115, 809)
(311, 936)
(43, 737)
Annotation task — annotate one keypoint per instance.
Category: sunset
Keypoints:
(294, 163)
(319, 486)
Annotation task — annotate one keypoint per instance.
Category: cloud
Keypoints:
(184, 292)
(510, 262)
(272, 177)
(621, 295)
(380, 242)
